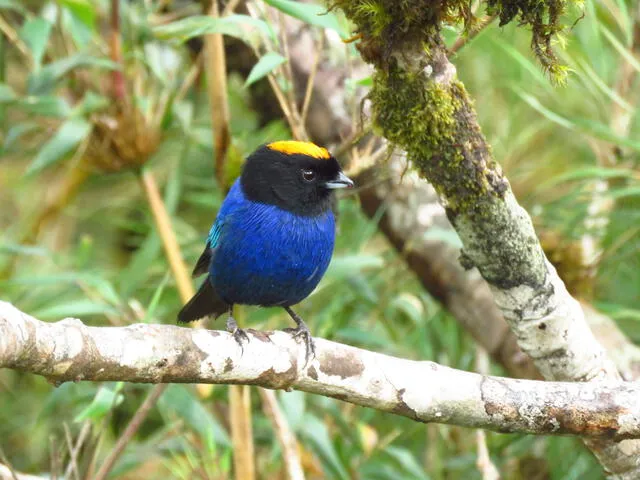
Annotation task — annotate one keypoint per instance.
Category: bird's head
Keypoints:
(299, 177)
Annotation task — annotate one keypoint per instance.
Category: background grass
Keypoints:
(100, 257)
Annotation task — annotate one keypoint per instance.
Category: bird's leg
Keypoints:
(302, 331)
(232, 327)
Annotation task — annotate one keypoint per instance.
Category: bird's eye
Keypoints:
(308, 175)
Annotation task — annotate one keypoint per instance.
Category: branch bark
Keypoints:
(419, 104)
(423, 391)
(416, 224)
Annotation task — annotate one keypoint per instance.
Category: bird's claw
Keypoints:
(302, 332)
(238, 333)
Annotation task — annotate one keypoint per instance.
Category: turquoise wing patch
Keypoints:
(214, 234)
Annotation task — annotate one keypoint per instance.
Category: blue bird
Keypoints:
(273, 238)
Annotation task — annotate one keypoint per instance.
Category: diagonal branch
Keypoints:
(416, 225)
(420, 105)
(423, 391)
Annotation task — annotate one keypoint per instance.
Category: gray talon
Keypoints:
(238, 334)
(302, 331)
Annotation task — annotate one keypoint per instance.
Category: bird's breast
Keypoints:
(269, 256)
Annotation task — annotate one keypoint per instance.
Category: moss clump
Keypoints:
(408, 114)
(435, 125)
(389, 25)
(543, 16)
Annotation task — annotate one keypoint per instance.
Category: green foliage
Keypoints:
(66, 139)
(102, 260)
(308, 13)
(267, 64)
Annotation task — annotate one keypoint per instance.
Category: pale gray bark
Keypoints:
(423, 391)
(419, 104)
(416, 224)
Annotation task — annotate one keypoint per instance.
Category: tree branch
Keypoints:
(416, 224)
(423, 391)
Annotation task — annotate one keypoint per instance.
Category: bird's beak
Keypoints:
(341, 181)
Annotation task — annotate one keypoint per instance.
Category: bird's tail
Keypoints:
(206, 302)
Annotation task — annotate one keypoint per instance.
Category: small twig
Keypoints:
(285, 108)
(465, 38)
(8, 465)
(130, 431)
(284, 434)
(14, 38)
(354, 137)
(168, 236)
(84, 431)
(297, 132)
(73, 460)
(286, 68)
(241, 432)
(312, 75)
(190, 79)
(54, 461)
(230, 7)
(119, 90)
(216, 69)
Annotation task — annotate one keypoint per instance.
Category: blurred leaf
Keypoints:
(15, 133)
(582, 125)
(308, 12)
(407, 462)
(6, 93)
(137, 269)
(365, 82)
(163, 60)
(622, 50)
(446, 235)
(194, 26)
(35, 33)
(55, 279)
(74, 309)
(68, 137)
(600, 84)
(267, 64)
(84, 10)
(12, 5)
(44, 80)
(45, 105)
(316, 434)
(28, 250)
(410, 305)
(81, 32)
(179, 401)
(617, 312)
(625, 192)
(155, 300)
(531, 67)
(91, 103)
(293, 406)
(599, 173)
(345, 265)
(106, 399)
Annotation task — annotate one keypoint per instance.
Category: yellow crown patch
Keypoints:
(292, 147)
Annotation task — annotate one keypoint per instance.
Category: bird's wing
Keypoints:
(202, 265)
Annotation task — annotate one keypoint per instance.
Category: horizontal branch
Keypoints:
(423, 391)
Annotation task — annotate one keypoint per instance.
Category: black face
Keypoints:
(294, 182)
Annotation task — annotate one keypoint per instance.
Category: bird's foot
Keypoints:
(238, 334)
(302, 332)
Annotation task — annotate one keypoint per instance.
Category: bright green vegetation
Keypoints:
(101, 258)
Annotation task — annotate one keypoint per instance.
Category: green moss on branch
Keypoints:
(388, 25)
(434, 123)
